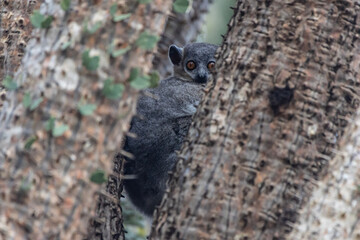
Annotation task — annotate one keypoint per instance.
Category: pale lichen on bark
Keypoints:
(333, 209)
(266, 130)
(45, 191)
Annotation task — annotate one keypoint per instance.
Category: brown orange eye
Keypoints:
(190, 65)
(211, 65)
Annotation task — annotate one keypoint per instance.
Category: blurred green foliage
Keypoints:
(216, 21)
(135, 225)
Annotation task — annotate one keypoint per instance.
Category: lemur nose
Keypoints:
(201, 78)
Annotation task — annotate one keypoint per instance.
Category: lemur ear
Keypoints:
(175, 54)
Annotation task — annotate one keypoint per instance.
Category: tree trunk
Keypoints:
(333, 209)
(59, 127)
(263, 137)
(180, 29)
(15, 31)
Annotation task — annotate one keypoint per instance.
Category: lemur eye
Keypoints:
(211, 65)
(190, 65)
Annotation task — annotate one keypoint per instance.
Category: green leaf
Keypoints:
(59, 130)
(65, 45)
(50, 124)
(121, 17)
(86, 109)
(36, 103)
(134, 73)
(120, 52)
(181, 6)
(9, 83)
(29, 103)
(26, 100)
(154, 79)
(141, 82)
(113, 9)
(91, 63)
(147, 41)
(56, 131)
(98, 177)
(29, 142)
(65, 4)
(111, 90)
(94, 28)
(47, 22)
(40, 21)
(144, 1)
(137, 80)
(36, 19)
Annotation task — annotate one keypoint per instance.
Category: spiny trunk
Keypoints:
(46, 191)
(268, 126)
(333, 210)
(180, 29)
(108, 222)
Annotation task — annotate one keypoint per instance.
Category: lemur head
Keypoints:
(193, 63)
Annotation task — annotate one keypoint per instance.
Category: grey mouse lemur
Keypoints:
(162, 122)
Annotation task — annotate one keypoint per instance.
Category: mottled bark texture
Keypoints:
(45, 192)
(286, 87)
(108, 223)
(15, 30)
(333, 211)
(180, 29)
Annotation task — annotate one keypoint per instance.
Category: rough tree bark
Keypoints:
(180, 29)
(333, 211)
(15, 30)
(49, 149)
(286, 87)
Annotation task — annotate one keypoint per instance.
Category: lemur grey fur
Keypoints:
(162, 122)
